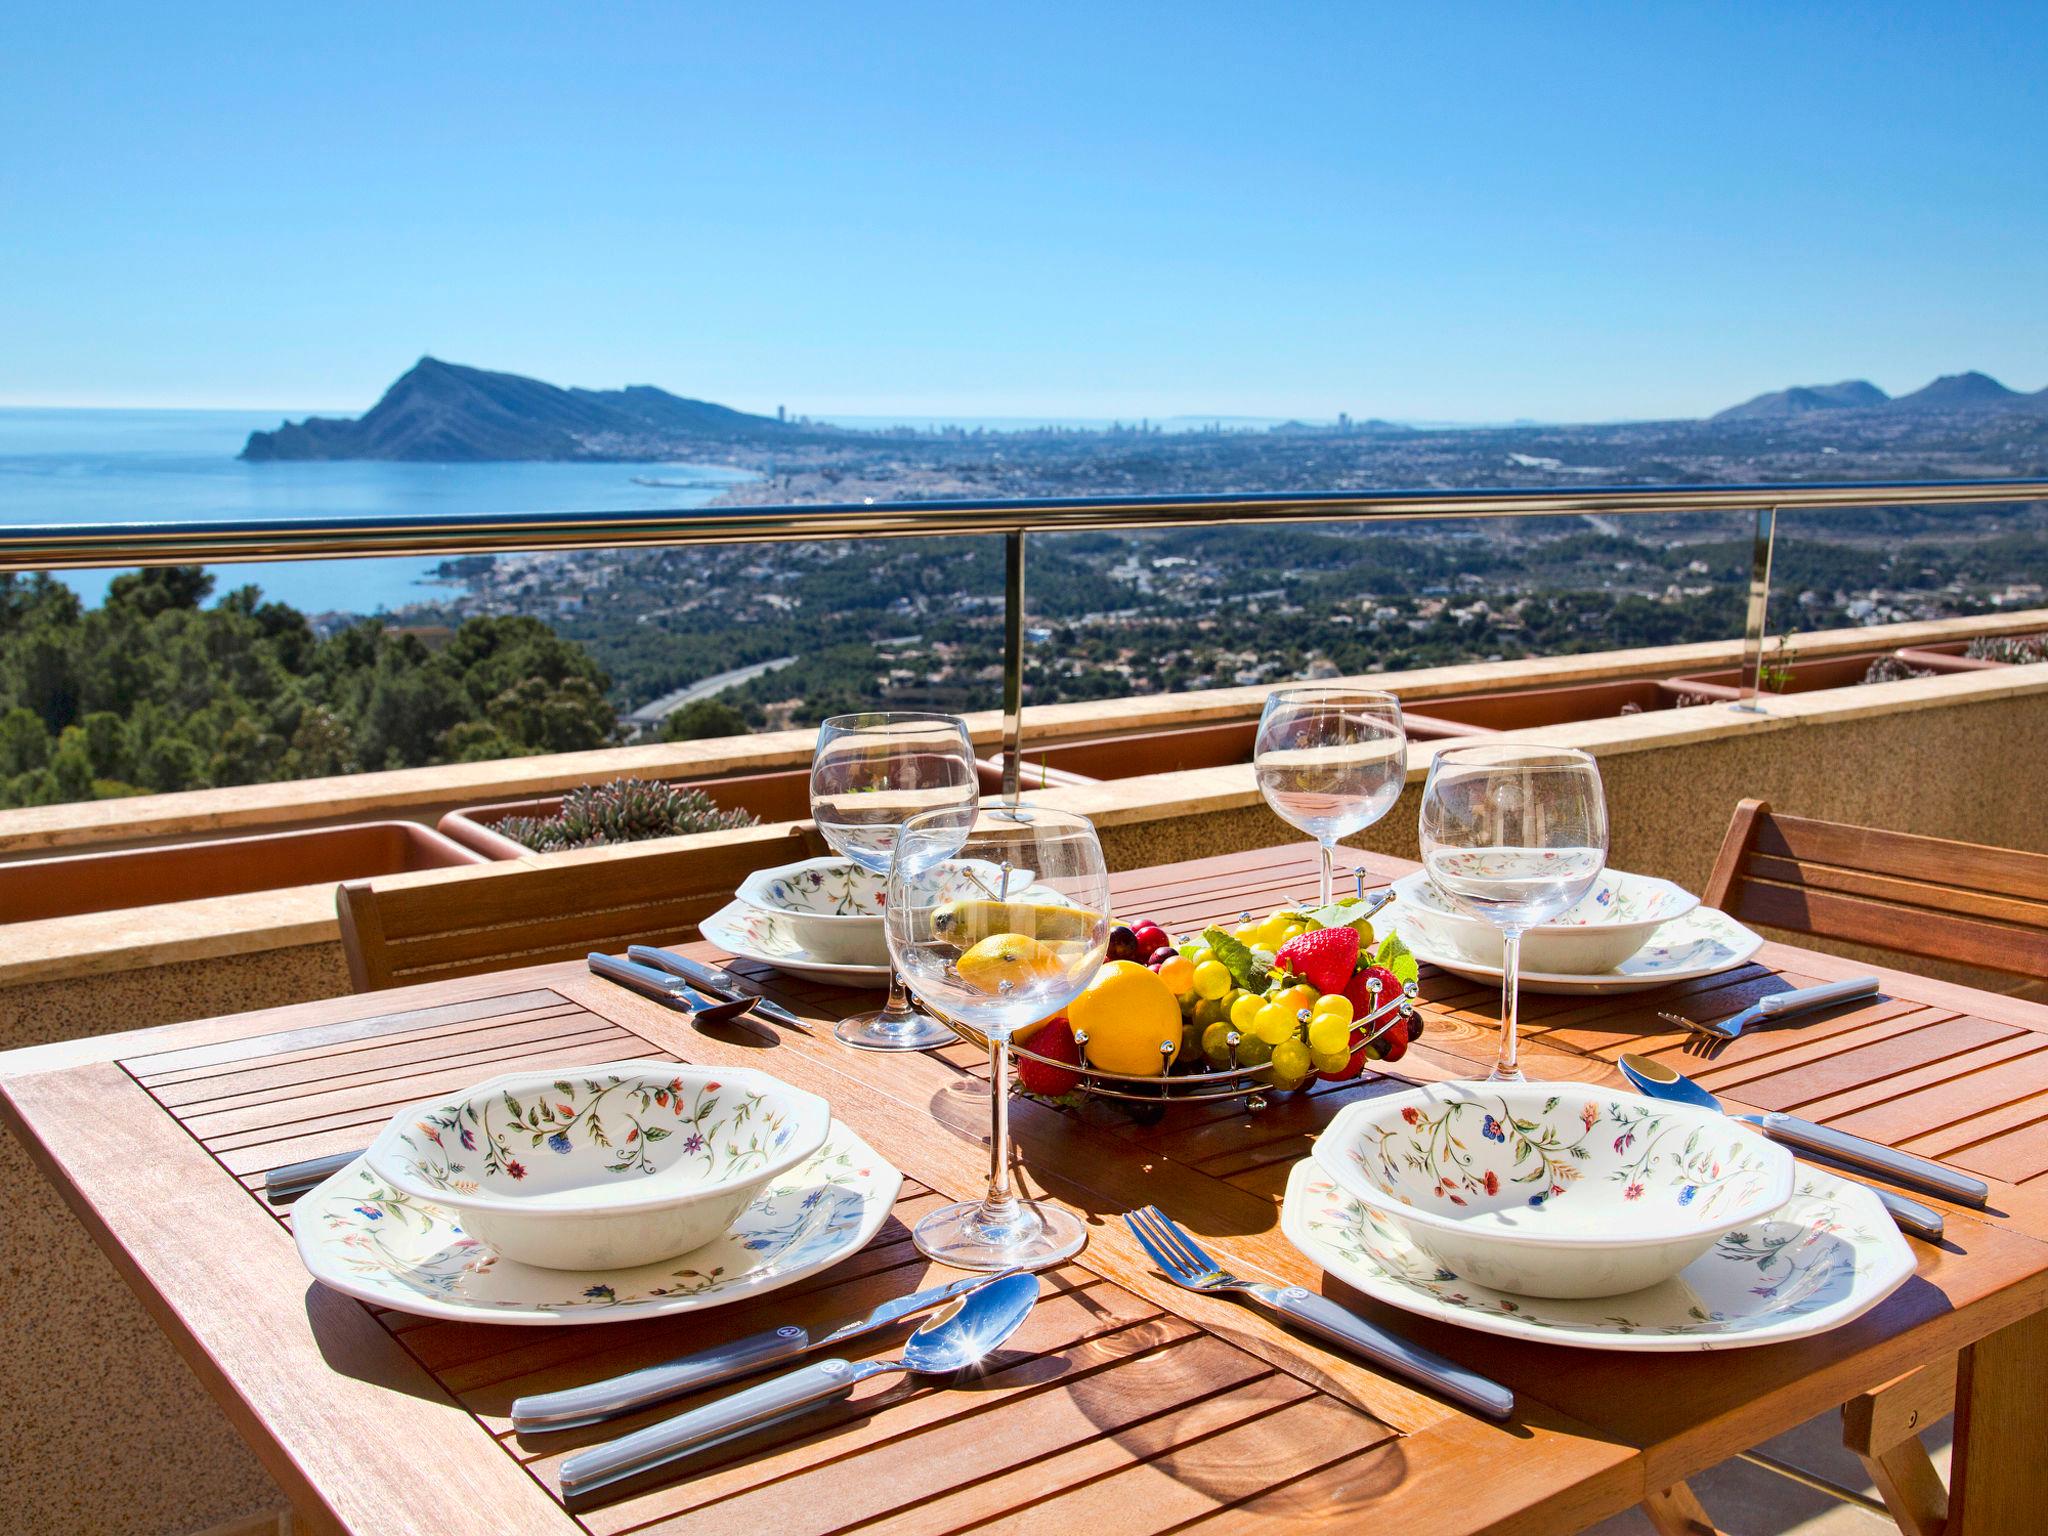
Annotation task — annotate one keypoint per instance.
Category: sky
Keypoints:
(1457, 212)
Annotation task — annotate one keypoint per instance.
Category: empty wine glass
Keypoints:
(1513, 835)
(870, 773)
(1330, 761)
(997, 920)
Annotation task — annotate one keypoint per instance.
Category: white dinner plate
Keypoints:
(367, 1240)
(752, 934)
(1827, 1255)
(1704, 942)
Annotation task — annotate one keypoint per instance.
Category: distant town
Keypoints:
(761, 635)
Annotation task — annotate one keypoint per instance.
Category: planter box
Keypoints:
(783, 794)
(1176, 749)
(223, 866)
(1531, 707)
(1944, 658)
(1807, 676)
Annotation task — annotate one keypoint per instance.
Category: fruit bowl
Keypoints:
(1554, 1189)
(601, 1167)
(1209, 1017)
(1607, 925)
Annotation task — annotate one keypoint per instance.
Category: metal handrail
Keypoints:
(88, 546)
(84, 546)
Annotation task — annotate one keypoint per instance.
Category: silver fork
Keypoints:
(1182, 1261)
(1765, 1010)
(1701, 1039)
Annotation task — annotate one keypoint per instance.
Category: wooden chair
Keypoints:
(404, 929)
(1926, 896)
(1963, 902)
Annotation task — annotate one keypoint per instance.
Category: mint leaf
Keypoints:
(1244, 969)
(1338, 915)
(1397, 957)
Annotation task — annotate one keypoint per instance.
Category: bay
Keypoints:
(119, 466)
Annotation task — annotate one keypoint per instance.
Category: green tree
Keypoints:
(704, 718)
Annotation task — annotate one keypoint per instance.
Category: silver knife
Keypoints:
(715, 978)
(602, 1400)
(664, 988)
(1659, 1081)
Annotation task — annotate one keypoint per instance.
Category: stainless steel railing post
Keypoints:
(1013, 662)
(1753, 623)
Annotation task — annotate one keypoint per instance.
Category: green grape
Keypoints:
(1327, 1061)
(1253, 1052)
(1274, 1024)
(1329, 1035)
(1216, 1044)
(1291, 1064)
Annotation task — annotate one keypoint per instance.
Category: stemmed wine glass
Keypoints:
(870, 773)
(998, 918)
(1330, 761)
(1513, 835)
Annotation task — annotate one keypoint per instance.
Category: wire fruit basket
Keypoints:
(1236, 1081)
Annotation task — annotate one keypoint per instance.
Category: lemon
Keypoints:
(1003, 962)
(1130, 1018)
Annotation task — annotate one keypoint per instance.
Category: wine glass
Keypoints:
(870, 773)
(998, 919)
(1513, 835)
(1330, 761)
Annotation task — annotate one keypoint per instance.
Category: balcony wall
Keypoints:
(1934, 755)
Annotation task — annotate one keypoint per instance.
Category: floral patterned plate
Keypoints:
(753, 934)
(362, 1237)
(1704, 942)
(1829, 1254)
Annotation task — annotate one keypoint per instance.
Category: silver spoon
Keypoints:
(962, 1335)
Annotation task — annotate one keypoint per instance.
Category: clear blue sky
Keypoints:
(1462, 211)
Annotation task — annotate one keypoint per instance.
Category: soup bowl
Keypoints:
(1603, 928)
(601, 1167)
(1554, 1189)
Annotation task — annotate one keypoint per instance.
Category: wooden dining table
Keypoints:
(1125, 1405)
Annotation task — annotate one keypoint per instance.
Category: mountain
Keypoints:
(1959, 392)
(445, 413)
(1850, 394)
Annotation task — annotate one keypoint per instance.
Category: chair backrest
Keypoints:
(1966, 902)
(398, 930)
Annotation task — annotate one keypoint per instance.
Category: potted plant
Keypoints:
(593, 816)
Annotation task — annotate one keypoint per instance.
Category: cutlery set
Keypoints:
(971, 1318)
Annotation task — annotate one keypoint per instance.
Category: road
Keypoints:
(648, 715)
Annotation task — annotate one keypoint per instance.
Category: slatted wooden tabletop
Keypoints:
(1123, 1400)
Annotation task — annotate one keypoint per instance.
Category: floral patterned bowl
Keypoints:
(601, 1167)
(1554, 1189)
(832, 906)
(1607, 925)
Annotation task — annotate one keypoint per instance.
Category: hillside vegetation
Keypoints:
(153, 692)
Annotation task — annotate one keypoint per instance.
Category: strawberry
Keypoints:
(1055, 1038)
(1323, 957)
(1360, 990)
(1394, 1043)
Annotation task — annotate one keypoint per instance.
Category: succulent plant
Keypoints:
(623, 811)
(1889, 669)
(2016, 650)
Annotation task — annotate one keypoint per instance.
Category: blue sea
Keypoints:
(118, 466)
